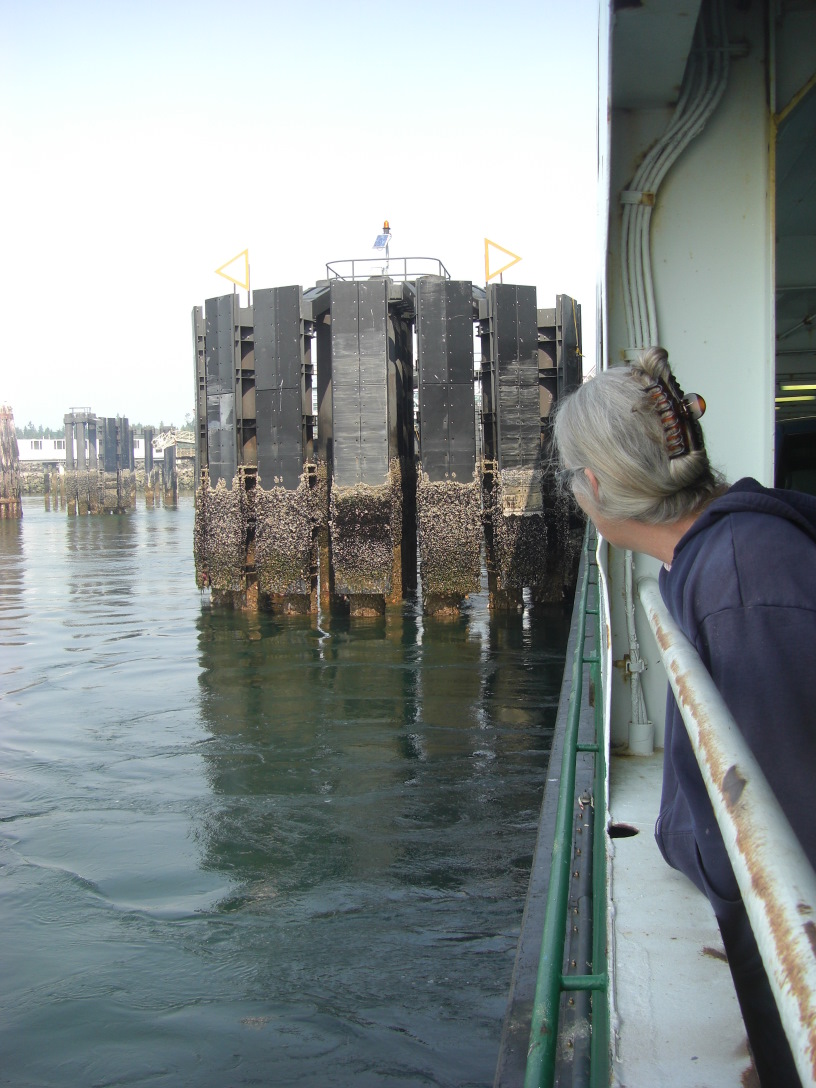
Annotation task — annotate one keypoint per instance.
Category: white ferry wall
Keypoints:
(713, 251)
(51, 451)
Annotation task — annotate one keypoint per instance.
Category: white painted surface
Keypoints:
(712, 257)
(679, 1021)
(53, 449)
(713, 261)
(652, 42)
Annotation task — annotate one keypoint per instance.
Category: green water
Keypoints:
(252, 851)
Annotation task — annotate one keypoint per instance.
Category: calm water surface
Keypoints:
(247, 851)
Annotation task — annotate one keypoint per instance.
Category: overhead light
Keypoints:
(794, 400)
(796, 388)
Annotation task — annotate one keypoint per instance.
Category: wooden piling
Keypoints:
(11, 503)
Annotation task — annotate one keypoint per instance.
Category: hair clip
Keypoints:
(679, 415)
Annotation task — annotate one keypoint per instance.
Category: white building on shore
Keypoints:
(51, 451)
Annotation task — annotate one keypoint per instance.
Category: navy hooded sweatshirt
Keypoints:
(742, 586)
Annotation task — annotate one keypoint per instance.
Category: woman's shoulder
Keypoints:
(749, 553)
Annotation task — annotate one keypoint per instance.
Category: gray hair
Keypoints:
(610, 426)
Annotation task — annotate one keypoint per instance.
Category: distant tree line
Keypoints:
(30, 431)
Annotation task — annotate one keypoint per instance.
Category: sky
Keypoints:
(146, 143)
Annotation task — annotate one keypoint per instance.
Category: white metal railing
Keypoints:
(396, 268)
(776, 880)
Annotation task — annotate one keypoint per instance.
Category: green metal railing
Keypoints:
(551, 981)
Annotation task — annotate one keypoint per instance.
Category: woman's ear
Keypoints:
(593, 481)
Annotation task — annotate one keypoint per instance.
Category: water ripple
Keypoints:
(233, 844)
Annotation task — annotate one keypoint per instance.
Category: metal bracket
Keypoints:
(636, 196)
(626, 665)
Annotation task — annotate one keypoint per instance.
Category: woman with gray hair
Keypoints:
(739, 578)
(631, 449)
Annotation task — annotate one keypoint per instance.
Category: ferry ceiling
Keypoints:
(732, 243)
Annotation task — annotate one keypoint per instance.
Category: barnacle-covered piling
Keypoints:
(126, 490)
(71, 491)
(449, 517)
(83, 491)
(152, 486)
(109, 490)
(533, 538)
(285, 537)
(99, 475)
(11, 503)
(362, 539)
(91, 491)
(53, 488)
(220, 539)
(366, 542)
(324, 379)
(565, 535)
(517, 534)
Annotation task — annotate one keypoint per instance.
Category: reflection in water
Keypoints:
(243, 849)
(375, 794)
(11, 582)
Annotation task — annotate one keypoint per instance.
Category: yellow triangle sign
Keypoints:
(490, 275)
(232, 276)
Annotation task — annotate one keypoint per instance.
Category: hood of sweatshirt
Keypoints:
(749, 497)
